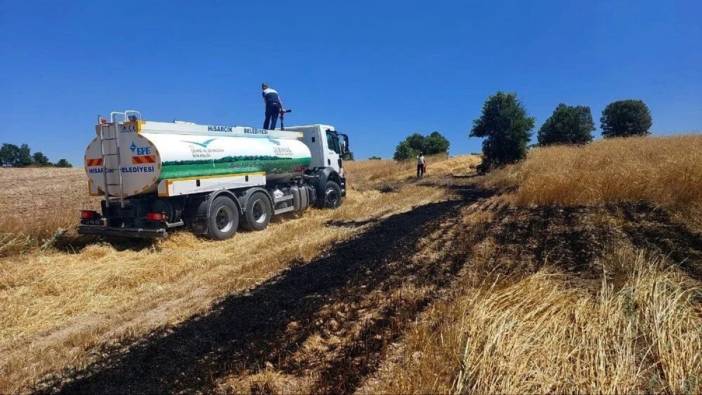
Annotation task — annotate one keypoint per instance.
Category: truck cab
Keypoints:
(328, 146)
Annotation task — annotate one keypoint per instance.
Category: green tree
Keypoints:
(375, 158)
(9, 154)
(25, 155)
(63, 163)
(626, 118)
(435, 143)
(40, 159)
(404, 151)
(415, 143)
(567, 125)
(506, 127)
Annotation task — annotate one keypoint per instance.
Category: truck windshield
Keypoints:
(333, 142)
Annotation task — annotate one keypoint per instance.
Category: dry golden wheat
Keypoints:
(540, 333)
(58, 306)
(36, 202)
(639, 331)
(664, 170)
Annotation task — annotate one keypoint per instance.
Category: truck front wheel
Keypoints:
(258, 212)
(223, 220)
(332, 195)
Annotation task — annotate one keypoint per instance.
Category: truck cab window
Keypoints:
(333, 142)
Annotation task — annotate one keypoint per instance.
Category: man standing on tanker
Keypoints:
(273, 106)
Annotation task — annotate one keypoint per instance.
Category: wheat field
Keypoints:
(577, 270)
(58, 306)
(37, 202)
(523, 322)
(664, 170)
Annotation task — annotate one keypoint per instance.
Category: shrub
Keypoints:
(626, 118)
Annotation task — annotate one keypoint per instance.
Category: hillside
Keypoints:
(546, 276)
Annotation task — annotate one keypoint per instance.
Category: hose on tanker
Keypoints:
(283, 111)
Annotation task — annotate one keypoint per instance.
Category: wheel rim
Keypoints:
(332, 197)
(224, 219)
(259, 212)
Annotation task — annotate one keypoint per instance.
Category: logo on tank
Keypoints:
(143, 150)
(202, 149)
(282, 151)
(203, 144)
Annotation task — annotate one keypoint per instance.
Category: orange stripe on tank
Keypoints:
(143, 159)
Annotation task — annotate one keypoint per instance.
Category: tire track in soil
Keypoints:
(268, 325)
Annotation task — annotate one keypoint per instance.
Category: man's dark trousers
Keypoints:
(272, 112)
(420, 170)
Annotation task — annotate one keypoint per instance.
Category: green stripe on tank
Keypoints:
(231, 165)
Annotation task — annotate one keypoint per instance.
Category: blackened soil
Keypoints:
(331, 320)
(267, 325)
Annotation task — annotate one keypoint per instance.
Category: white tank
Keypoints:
(151, 152)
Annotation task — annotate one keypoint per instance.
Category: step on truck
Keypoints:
(158, 176)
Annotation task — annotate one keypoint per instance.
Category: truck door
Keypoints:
(333, 151)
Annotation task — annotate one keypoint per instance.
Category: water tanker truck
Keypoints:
(157, 176)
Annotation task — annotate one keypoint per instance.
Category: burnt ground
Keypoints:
(652, 228)
(270, 323)
(324, 326)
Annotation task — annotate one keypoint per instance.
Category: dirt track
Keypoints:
(324, 326)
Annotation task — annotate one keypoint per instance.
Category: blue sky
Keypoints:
(377, 70)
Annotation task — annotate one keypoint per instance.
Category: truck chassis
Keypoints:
(216, 214)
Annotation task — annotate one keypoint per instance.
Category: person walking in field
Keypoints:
(273, 106)
(421, 168)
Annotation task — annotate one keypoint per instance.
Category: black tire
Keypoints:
(332, 195)
(258, 212)
(223, 220)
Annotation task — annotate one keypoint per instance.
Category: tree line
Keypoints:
(506, 126)
(14, 156)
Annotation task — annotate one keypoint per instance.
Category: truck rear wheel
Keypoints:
(258, 212)
(224, 218)
(332, 195)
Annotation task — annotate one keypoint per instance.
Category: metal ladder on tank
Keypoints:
(111, 151)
